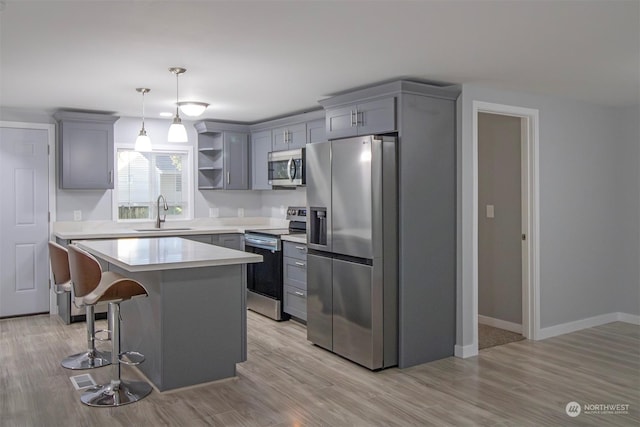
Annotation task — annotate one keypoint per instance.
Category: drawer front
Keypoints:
(295, 302)
(295, 250)
(295, 272)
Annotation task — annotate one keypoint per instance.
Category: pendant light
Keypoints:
(177, 131)
(143, 142)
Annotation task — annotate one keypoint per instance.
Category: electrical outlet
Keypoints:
(240, 212)
(283, 211)
(214, 212)
(77, 215)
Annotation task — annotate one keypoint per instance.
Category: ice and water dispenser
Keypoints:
(318, 229)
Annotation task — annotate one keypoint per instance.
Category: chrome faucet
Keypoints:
(165, 207)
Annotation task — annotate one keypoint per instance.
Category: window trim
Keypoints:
(157, 148)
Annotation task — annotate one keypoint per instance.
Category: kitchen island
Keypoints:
(192, 327)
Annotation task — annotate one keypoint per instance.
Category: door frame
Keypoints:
(530, 216)
(50, 128)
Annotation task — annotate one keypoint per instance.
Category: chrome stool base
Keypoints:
(110, 395)
(86, 360)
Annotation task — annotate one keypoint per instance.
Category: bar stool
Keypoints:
(91, 358)
(98, 286)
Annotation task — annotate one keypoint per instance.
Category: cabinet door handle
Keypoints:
(301, 264)
(110, 177)
(352, 124)
(228, 177)
(300, 294)
(300, 248)
(358, 122)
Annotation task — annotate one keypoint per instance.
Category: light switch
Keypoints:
(490, 211)
(77, 215)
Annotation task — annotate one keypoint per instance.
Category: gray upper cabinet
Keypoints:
(236, 161)
(86, 153)
(363, 118)
(316, 131)
(223, 156)
(289, 137)
(260, 148)
(285, 133)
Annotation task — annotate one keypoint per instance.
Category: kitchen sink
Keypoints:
(165, 229)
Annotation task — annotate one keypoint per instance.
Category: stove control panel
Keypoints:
(297, 213)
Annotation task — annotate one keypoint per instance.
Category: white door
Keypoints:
(24, 211)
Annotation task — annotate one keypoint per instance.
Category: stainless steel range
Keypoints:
(264, 280)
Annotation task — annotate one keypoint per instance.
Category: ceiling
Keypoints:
(262, 59)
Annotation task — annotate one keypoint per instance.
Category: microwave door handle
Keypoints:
(289, 169)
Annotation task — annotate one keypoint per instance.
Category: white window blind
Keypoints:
(142, 177)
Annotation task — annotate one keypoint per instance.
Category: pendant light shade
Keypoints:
(177, 131)
(143, 142)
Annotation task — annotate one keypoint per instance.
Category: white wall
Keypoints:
(627, 120)
(585, 232)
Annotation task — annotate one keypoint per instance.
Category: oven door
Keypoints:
(264, 283)
(265, 278)
(286, 168)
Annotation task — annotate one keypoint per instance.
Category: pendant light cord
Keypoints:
(177, 92)
(143, 92)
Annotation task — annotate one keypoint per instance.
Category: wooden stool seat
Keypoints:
(96, 286)
(60, 268)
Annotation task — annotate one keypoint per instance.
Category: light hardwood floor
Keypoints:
(289, 382)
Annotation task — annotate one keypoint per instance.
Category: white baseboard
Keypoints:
(565, 328)
(629, 318)
(465, 351)
(502, 324)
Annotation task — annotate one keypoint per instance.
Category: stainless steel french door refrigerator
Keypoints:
(352, 262)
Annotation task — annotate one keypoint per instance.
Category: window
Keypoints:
(142, 177)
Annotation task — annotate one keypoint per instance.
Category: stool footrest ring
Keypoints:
(100, 331)
(131, 358)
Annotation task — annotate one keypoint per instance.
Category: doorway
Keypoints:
(525, 121)
(499, 229)
(25, 190)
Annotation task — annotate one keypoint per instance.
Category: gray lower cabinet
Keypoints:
(227, 240)
(85, 153)
(260, 148)
(231, 241)
(364, 118)
(294, 272)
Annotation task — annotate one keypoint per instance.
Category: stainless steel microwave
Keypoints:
(286, 168)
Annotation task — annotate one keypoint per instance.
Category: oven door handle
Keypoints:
(261, 243)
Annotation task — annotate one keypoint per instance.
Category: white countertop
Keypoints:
(164, 253)
(110, 229)
(295, 238)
